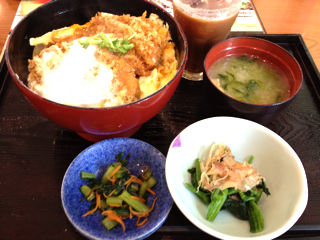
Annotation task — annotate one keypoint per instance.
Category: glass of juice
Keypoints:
(205, 23)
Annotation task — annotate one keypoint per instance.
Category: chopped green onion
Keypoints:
(118, 45)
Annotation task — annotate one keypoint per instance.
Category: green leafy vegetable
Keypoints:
(115, 191)
(264, 187)
(237, 208)
(124, 161)
(243, 205)
(252, 85)
(256, 220)
(202, 196)
(250, 79)
(218, 198)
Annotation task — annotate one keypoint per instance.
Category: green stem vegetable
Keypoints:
(143, 188)
(256, 220)
(114, 200)
(111, 168)
(217, 201)
(85, 191)
(147, 174)
(203, 197)
(87, 175)
(134, 203)
(198, 170)
(250, 160)
(108, 223)
(151, 182)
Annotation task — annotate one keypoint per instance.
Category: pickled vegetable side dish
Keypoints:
(118, 194)
(225, 184)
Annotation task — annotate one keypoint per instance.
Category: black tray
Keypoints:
(37, 149)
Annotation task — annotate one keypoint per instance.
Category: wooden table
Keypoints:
(293, 16)
(278, 17)
(26, 206)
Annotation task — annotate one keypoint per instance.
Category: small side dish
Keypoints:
(223, 183)
(250, 79)
(94, 161)
(119, 194)
(272, 154)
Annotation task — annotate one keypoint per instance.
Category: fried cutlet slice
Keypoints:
(151, 37)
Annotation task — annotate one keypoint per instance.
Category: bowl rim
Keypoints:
(288, 224)
(18, 81)
(261, 40)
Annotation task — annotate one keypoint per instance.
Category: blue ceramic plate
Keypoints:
(95, 159)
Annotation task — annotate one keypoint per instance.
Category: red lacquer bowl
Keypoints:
(94, 124)
(264, 50)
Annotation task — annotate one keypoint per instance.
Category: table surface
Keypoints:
(31, 130)
(278, 17)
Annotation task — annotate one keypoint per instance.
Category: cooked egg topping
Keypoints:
(81, 65)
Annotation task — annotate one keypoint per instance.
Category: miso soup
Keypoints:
(250, 80)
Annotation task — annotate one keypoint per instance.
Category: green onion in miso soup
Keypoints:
(250, 80)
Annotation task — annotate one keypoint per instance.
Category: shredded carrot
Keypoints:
(114, 205)
(112, 192)
(139, 198)
(125, 216)
(145, 167)
(114, 216)
(138, 214)
(130, 179)
(115, 171)
(141, 223)
(150, 191)
(153, 203)
(96, 207)
(142, 175)
(137, 180)
(143, 214)
(90, 192)
(112, 179)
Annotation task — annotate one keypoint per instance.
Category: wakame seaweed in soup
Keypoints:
(250, 80)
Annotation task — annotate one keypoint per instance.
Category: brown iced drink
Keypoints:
(205, 23)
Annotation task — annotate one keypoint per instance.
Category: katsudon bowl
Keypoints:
(93, 124)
